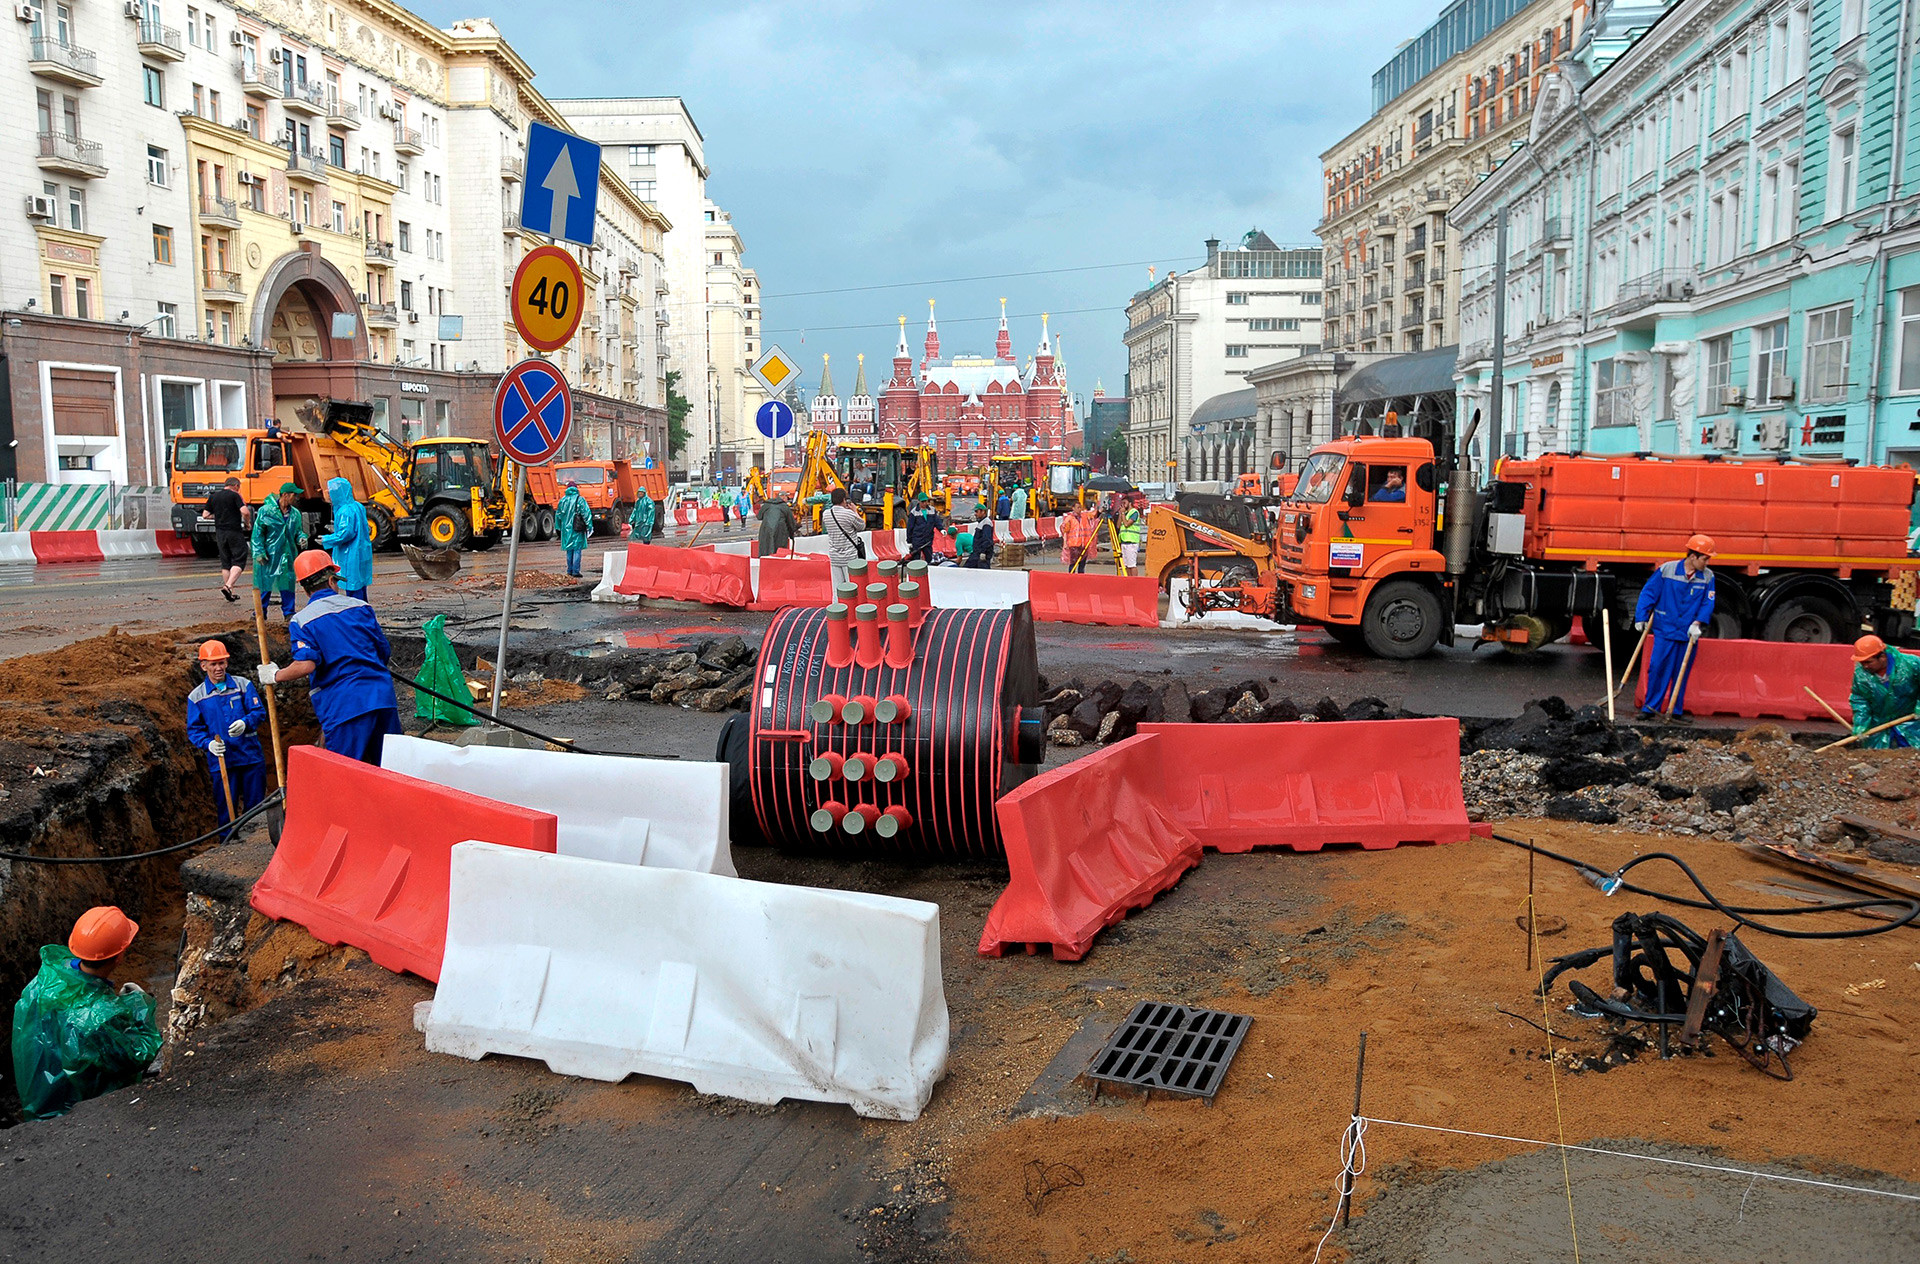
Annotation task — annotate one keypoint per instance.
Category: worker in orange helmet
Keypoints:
(74, 1036)
(224, 715)
(1886, 688)
(1677, 605)
(338, 642)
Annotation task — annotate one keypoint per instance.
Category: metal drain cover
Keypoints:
(1170, 1048)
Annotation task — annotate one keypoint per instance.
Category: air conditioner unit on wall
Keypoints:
(1780, 386)
(40, 206)
(136, 10)
(413, 318)
(1732, 397)
(247, 177)
(236, 39)
(1725, 433)
(26, 12)
(1771, 432)
(388, 112)
(273, 57)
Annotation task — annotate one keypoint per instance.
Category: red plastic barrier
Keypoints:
(363, 857)
(1762, 679)
(1131, 601)
(1086, 844)
(1378, 783)
(1049, 528)
(66, 546)
(885, 546)
(718, 579)
(794, 581)
(173, 544)
(943, 545)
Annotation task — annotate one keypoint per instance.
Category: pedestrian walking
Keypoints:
(842, 524)
(776, 526)
(338, 641)
(224, 715)
(575, 520)
(74, 1036)
(1677, 604)
(350, 543)
(279, 531)
(228, 513)
(1886, 687)
(645, 514)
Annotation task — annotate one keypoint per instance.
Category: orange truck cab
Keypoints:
(201, 461)
(610, 489)
(1373, 544)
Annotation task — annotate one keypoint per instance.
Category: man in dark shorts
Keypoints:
(230, 533)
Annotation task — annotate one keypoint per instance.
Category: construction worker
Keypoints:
(980, 556)
(338, 642)
(228, 512)
(776, 526)
(1077, 537)
(1677, 603)
(223, 719)
(74, 1037)
(350, 543)
(575, 521)
(1130, 524)
(642, 519)
(923, 524)
(1003, 505)
(1886, 687)
(278, 532)
(1017, 504)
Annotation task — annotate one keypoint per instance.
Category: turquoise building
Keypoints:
(1713, 240)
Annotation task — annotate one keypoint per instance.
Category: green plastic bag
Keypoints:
(442, 674)
(74, 1037)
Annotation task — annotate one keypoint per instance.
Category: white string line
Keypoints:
(1649, 1158)
(1353, 1161)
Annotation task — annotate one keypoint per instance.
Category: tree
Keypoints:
(678, 406)
(1116, 450)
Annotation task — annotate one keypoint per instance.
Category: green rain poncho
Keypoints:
(277, 537)
(1878, 699)
(441, 673)
(642, 518)
(74, 1037)
(574, 519)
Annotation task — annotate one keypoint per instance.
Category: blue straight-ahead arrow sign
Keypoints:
(562, 186)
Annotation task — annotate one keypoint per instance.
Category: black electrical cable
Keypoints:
(222, 832)
(1610, 882)
(561, 742)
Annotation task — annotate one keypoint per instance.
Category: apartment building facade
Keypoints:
(734, 394)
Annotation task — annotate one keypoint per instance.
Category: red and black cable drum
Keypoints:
(895, 744)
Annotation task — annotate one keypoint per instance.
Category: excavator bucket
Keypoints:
(432, 564)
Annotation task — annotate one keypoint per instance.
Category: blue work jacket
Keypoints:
(1675, 601)
(341, 637)
(212, 709)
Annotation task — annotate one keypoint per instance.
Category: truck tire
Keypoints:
(1402, 620)
(530, 523)
(484, 541)
(380, 522)
(444, 529)
(204, 545)
(546, 522)
(1807, 621)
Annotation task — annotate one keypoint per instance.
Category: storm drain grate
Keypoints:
(1171, 1049)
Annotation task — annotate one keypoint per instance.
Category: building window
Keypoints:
(1909, 379)
(406, 236)
(1236, 351)
(167, 323)
(640, 155)
(1236, 299)
(1311, 297)
(1719, 374)
(154, 86)
(1842, 161)
(1829, 336)
(56, 294)
(645, 190)
(83, 298)
(406, 297)
(76, 208)
(1853, 18)
(257, 195)
(1612, 393)
(337, 151)
(193, 26)
(162, 244)
(1769, 359)
(156, 166)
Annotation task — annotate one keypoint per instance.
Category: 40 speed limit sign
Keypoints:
(549, 297)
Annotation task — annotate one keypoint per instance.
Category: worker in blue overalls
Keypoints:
(1678, 603)
(223, 720)
(338, 642)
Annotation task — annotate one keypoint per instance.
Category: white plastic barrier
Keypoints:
(757, 990)
(115, 544)
(668, 813)
(959, 588)
(1177, 616)
(17, 546)
(742, 547)
(613, 567)
(809, 544)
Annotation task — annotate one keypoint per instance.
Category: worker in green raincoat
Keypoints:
(642, 519)
(575, 519)
(1886, 687)
(279, 533)
(74, 1036)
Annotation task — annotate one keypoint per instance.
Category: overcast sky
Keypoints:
(869, 145)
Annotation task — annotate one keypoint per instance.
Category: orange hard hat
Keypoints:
(102, 934)
(1868, 647)
(311, 563)
(1701, 544)
(210, 650)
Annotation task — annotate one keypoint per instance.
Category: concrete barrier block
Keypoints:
(17, 546)
(116, 544)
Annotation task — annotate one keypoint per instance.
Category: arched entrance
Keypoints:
(298, 299)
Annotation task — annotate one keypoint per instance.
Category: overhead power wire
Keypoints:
(1744, 915)
(990, 276)
(953, 320)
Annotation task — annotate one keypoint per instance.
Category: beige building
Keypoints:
(1451, 104)
(733, 299)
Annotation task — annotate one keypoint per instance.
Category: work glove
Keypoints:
(267, 673)
(130, 987)
(1641, 626)
(1693, 631)
(217, 747)
(236, 728)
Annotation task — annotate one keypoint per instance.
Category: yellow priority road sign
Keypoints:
(549, 297)
(775, 370)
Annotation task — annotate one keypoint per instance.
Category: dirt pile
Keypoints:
(1110, 711)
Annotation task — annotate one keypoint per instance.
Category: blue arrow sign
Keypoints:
(532, 412)
(774, 419)
(563, 183)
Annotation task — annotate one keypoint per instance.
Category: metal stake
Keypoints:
(1532, 925)
(1346, 1179)
(506, 603)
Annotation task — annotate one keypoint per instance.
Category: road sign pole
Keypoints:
(506, 603)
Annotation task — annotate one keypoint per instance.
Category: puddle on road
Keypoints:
(608, 642)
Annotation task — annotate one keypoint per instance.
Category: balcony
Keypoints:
(1416, 280)
(260, 81)
(379, 254)
(309, 99)
(1667, 285)
(660, 316)
(57, 59)
(71, 155)
(406, 140)
(1384, 226)
(385, 315)
(1413, 320)
(513, 170)
(1416, 241)
(310, 167)
(1556, 232)
(215, 209)
(510, 222)
(1433, 199)
(162, 43)
(221, 287)
(1370, 267)
(340, 115)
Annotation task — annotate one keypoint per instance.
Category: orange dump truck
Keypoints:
(1369, 545)
(610, 488)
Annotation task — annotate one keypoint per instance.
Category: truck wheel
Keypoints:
(484, 541)
(445, 529)
(1402, 620)
(205, 546)
(546, 523)
(380, 523)
(530, 524)
(1805, 621)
